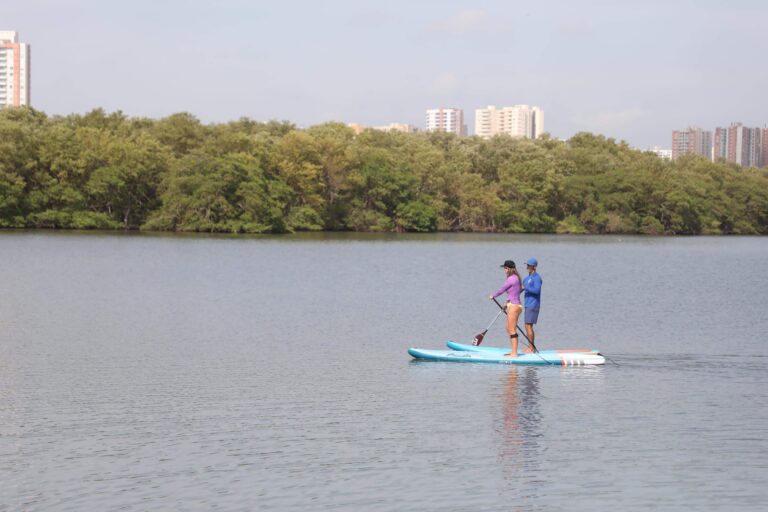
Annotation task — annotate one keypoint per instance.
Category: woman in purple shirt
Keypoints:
(513, 288)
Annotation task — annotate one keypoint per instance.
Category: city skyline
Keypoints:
(594, 68)
(739, 144)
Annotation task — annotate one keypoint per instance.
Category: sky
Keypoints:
(632, 71)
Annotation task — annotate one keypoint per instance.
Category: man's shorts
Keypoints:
(531, 315)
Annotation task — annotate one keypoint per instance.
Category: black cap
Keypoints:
(508, 264)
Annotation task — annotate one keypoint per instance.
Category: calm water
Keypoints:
(214, 373)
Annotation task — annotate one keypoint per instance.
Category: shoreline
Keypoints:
(322, 234)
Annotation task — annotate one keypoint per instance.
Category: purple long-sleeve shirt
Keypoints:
(512, 287)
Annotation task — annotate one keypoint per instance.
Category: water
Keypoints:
(231, 373)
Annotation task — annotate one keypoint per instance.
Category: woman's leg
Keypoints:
(513, 313)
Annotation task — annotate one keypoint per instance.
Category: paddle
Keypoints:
(479, 338)
(533, 347)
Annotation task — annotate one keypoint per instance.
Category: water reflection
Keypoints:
(520, 449)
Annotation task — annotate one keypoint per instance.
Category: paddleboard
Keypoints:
(487, 356)
(505, 350)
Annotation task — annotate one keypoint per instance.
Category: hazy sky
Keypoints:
(630, 70)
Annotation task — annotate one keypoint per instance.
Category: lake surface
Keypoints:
(142, 372)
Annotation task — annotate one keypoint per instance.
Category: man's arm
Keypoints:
(534, 285)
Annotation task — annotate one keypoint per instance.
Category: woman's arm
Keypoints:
(507, 285)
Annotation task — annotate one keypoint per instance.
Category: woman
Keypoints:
(513, 288)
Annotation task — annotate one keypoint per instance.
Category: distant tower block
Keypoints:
(448, 120)
(516, 121)
(15, 68)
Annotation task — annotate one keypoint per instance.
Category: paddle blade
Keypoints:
(479, 338)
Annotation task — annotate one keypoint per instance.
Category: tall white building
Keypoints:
(14, 71)
(449, 120)
(517, 121)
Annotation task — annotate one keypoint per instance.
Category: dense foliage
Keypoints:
(109, 171)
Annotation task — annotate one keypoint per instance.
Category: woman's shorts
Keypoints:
(531, 315)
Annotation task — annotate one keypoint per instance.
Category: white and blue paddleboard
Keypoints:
(549, 357)
(505, 350)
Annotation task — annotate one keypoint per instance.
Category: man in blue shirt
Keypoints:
(532, 284)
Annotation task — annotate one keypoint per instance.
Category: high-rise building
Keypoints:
(517, 121)
(754, 147)
(740, 145)
(764, 147)
(449, 120)
(693, 141)
(14, 70)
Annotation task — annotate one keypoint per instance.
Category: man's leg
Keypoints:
(531, 317)
(531, 337)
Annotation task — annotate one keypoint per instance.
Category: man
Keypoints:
(532, 284)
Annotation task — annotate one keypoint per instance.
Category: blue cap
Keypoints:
(532, 262)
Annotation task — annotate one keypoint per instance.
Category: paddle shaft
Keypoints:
(479, 338)
(494, 320)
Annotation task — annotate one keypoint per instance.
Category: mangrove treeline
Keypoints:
(110, 171)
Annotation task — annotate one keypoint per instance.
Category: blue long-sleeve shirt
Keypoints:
(532, 283)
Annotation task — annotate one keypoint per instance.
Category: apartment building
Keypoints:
(448, 120)
(741, 145)
(693, 141)
(764, 147)
(516, 121)
(15, 87)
